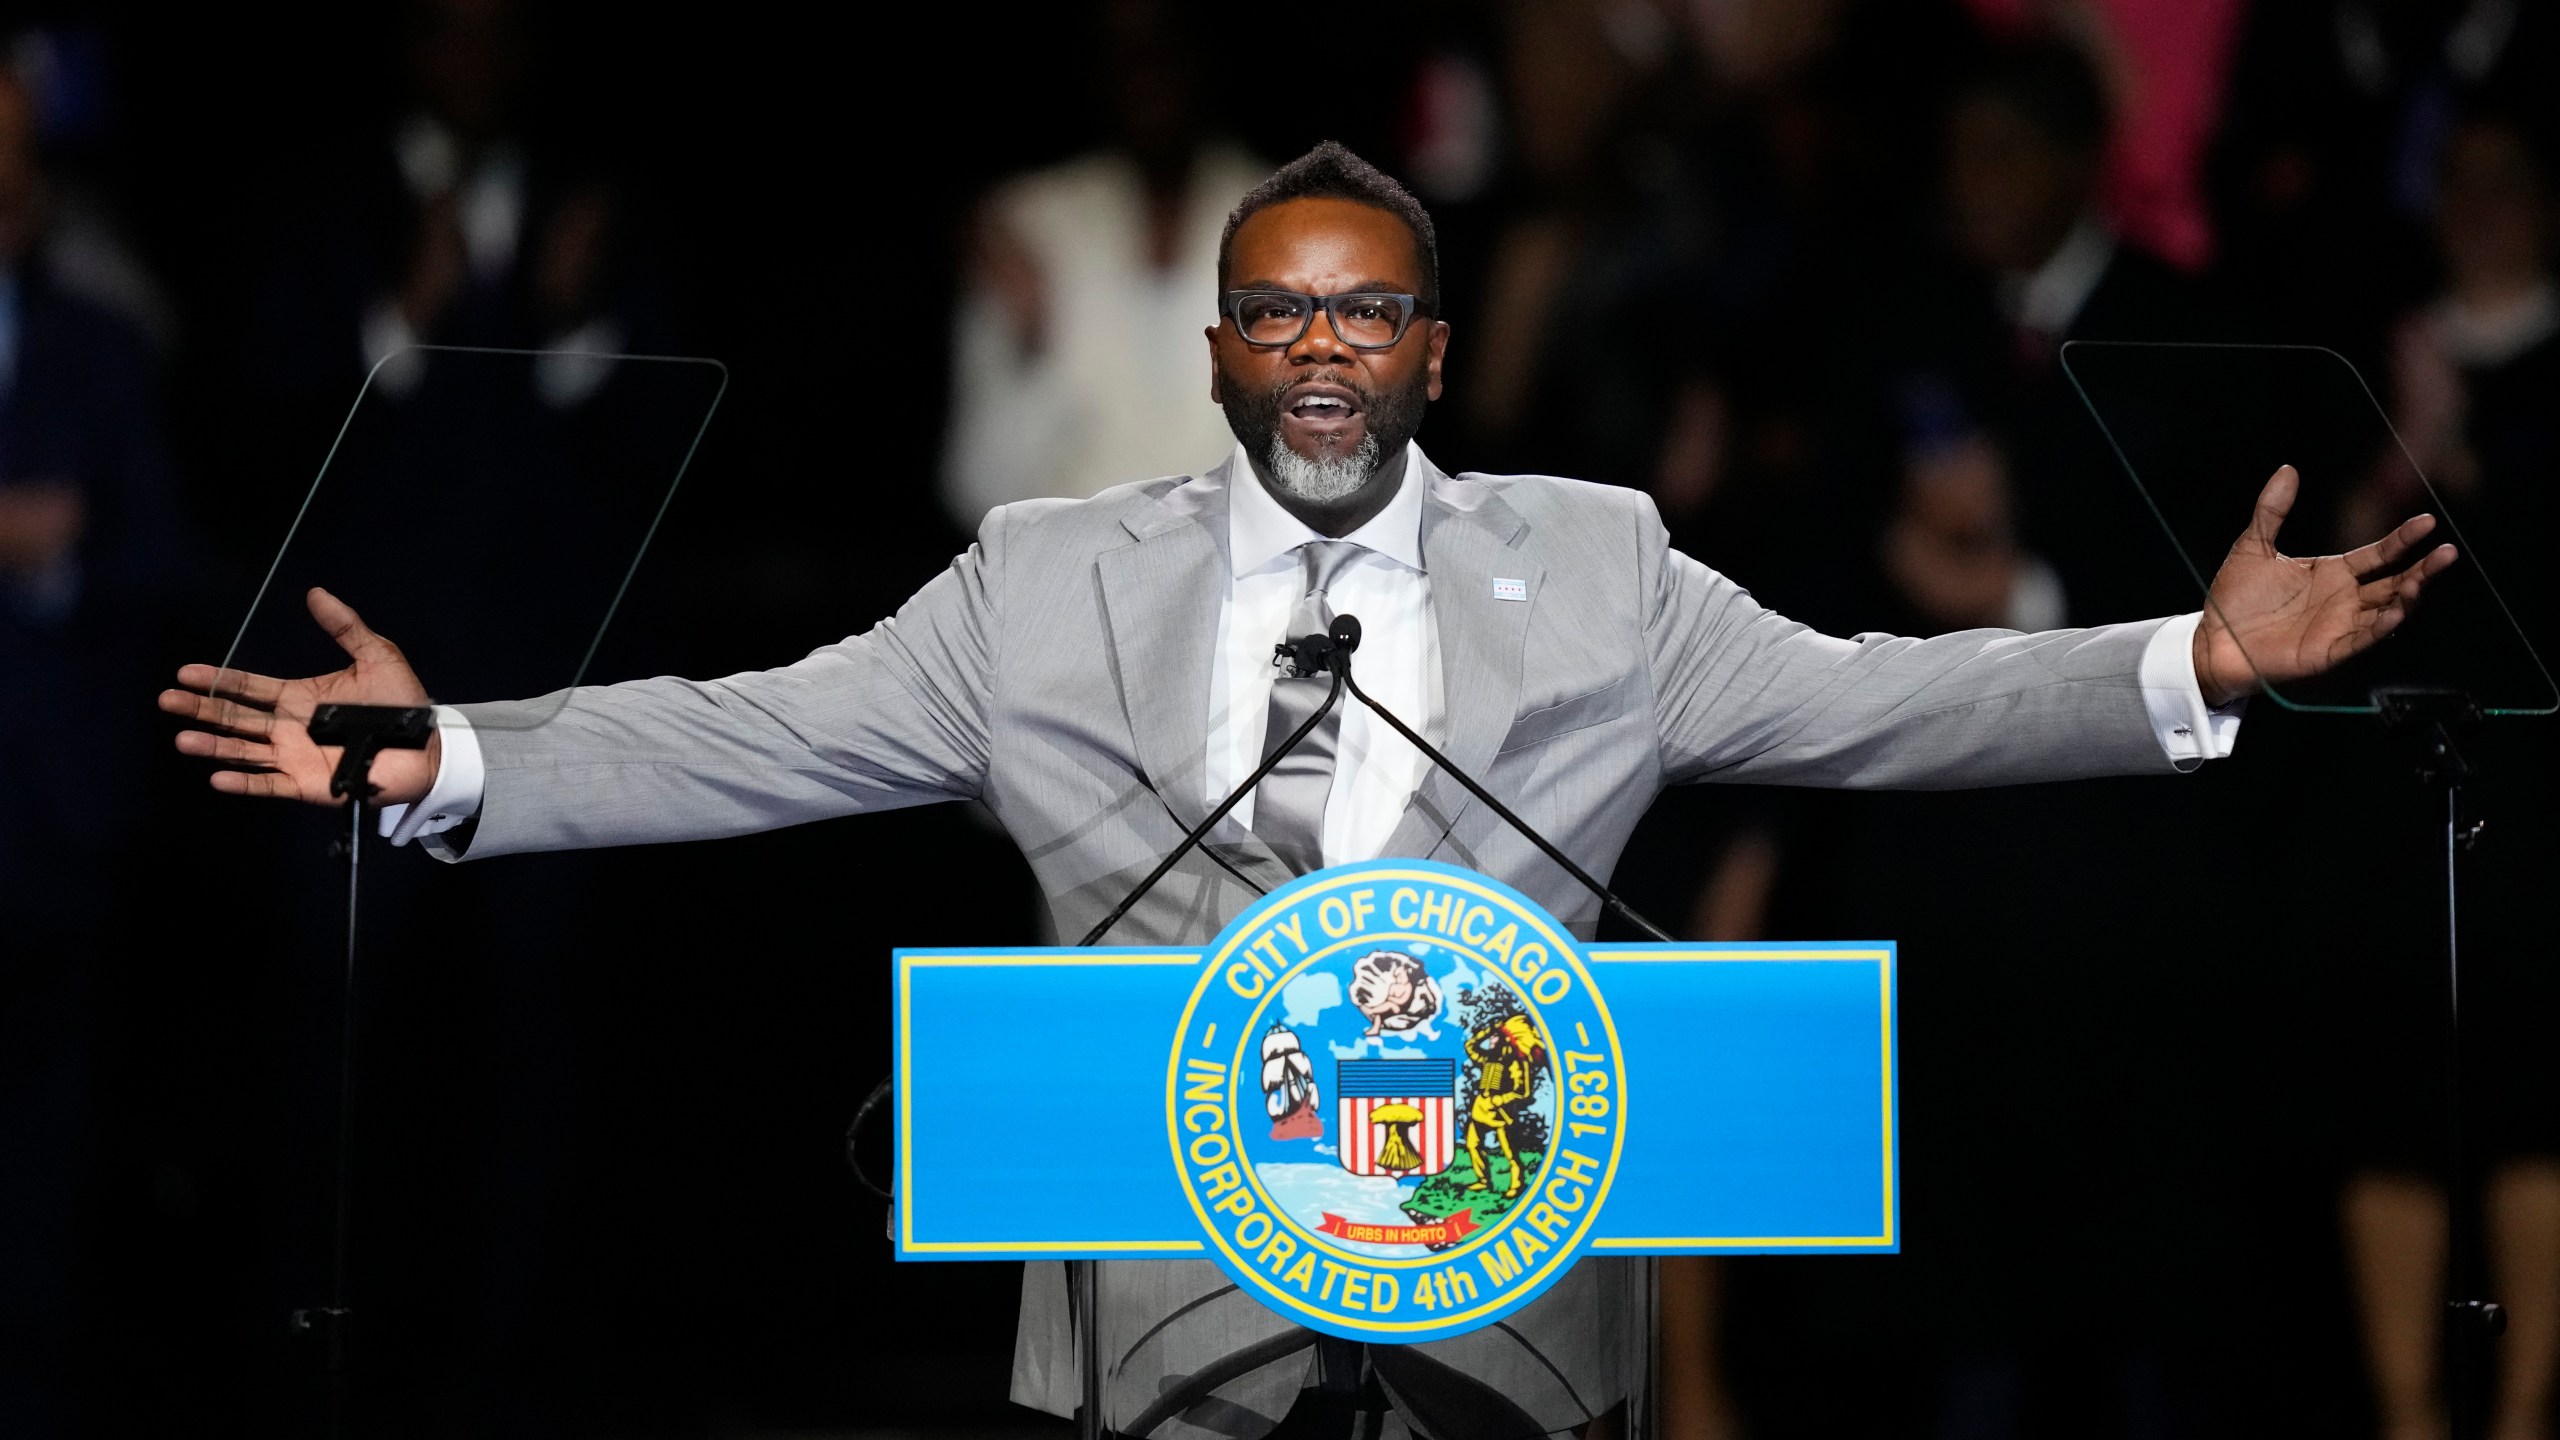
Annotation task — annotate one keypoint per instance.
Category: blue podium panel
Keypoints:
(1758, 1101)
(1030, 1123)
(1764, 1110)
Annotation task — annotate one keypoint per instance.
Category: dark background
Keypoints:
(599, 1180)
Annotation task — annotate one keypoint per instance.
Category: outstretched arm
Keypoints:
(895, 716)
(1745, 694)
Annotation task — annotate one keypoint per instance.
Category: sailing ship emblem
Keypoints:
(1289, 1087)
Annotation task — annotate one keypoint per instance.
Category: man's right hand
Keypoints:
(255, 722)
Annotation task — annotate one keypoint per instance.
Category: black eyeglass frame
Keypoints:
(1407, 307)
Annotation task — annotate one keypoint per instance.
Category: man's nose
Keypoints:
(1322, 344)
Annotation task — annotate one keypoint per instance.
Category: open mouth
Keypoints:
(1325, 411)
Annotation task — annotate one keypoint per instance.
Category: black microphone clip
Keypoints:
(1314, 654)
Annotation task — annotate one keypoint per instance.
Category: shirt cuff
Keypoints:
(455, 795)
(2191, 732)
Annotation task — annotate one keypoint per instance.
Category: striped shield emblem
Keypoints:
(1396, 1117)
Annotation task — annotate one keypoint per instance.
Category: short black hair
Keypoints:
(1331, 172)
(2050, 84)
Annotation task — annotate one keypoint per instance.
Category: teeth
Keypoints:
(1333, 401)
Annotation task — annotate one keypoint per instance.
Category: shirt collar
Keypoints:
(1259, 531)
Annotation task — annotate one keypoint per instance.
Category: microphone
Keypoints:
(1314, 654)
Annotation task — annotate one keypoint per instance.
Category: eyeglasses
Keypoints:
(1368, 320)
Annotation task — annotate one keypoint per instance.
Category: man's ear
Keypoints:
(1439, 350)
(1211, 334)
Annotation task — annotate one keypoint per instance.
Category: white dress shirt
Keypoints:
(1375, 770)
(1388, 586)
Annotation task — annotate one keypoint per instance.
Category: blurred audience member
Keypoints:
(2036, 265)
(90, 566)
(1576, 344)
(1951, 550)
(64, 70)
(2325, 169)
(2166, 66)
(1075, 361)
(2476, 398)
(464, 226)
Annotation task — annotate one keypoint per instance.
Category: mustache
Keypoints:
(1279, 392)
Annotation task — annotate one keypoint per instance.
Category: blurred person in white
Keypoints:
(1072, 349)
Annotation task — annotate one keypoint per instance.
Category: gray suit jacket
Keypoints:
(1059, 673)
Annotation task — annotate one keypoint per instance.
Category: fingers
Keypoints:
(261, 690)
(2275, 501)
(2384, 553)
(229, 749)
(2403, 589)
(225, 714)
(346, 627)
(2438, 561)
(263, 783)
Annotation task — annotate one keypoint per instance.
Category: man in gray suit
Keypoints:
(1099, 672)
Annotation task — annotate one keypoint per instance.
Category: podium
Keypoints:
(1394, 1102)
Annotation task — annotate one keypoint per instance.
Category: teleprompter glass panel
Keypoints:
(2200, 428)
(485, 510)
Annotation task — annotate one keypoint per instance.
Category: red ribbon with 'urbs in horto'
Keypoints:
(1446, 1232)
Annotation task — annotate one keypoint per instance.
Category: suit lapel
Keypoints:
(1469, 540)
(1161, 596)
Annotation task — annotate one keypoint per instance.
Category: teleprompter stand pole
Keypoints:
(365, 731)
(2433, 723)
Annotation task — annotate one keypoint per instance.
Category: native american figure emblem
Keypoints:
(1289, 1087)
(1391, 990)
(1511, 1058)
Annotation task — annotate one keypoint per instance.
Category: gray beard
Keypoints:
(1321, 482)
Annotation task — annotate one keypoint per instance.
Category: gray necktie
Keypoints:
(1288, 809)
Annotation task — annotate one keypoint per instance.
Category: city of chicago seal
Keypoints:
(1396, 1100)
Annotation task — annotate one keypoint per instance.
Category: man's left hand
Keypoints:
(2274, 617)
